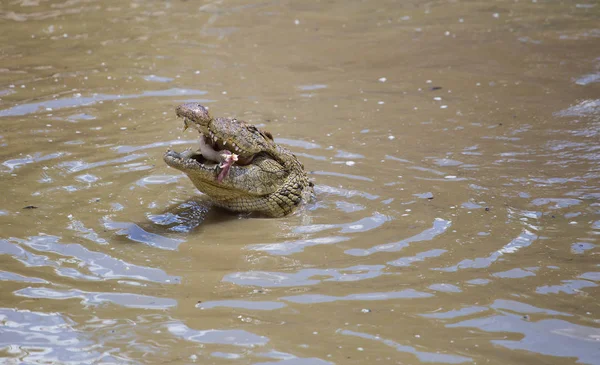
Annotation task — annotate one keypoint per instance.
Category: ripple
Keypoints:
(471, 205)
(80, 116)
(182, 218)
(345, 154)
(581, 247)
(447, 162)
(559, 203)
(87, 178)
(289, 247)
(30, 259)
(514, 188)
(567, 287)
(324, 189)
(154, 78)
(304, 277)
(362, 225)
(130, 149)
(312, 87)
(158, 180)
(584, 108)
(79, 165)
(339, 174)
(595, 276)
(421, 355)
(84, 232)
(137, 234)
(560, 338)
(319, 298)
(518, 307)
(13, 164)
(426, 169)
(439, 226)
(101, 265)
(293, 360)
(397, 159)
(525, 239)
(38, 337)
(312, 157)
(225, 355)
(298, 143)
(78, 101)
(421, 256)
(348, 207)
(225, 337)
(588, 79)
(467, 311)
(244, 304)
(446, 288)
(514, 274)
(127, 300)
(427, 195)
(9, 276)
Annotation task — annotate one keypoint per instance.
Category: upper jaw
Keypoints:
(210, 156)
(219, 144)
(194, 115)
(208, 137)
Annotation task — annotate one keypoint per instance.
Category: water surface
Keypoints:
(454, 148)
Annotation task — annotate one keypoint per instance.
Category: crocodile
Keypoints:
(239, 166)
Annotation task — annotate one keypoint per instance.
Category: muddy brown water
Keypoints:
(455, 148)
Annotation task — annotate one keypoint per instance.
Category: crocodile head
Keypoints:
(263, 176)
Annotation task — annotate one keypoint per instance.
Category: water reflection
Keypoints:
(290, 247)
(523, 240)
(228, 337)
(13, 164)
(439, 226)
(304, 276)
(183, 217)
(89, 298)
(287, 359)
(34, 337)
(100, 265)
(560, 338)
(136, 233)
(426, 357)
(79, 101)
(244, 304)
(318, 298)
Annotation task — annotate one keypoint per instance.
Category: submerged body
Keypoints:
(240, 166)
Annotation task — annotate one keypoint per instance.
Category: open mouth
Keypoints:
(215, 153)
(216, 149)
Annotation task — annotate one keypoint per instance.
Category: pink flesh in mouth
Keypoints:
(229, 160)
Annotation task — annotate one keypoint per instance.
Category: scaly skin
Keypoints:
(266, 178)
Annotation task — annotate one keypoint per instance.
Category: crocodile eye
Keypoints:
(268, 135)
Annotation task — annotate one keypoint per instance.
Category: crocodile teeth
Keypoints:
(224, 143)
